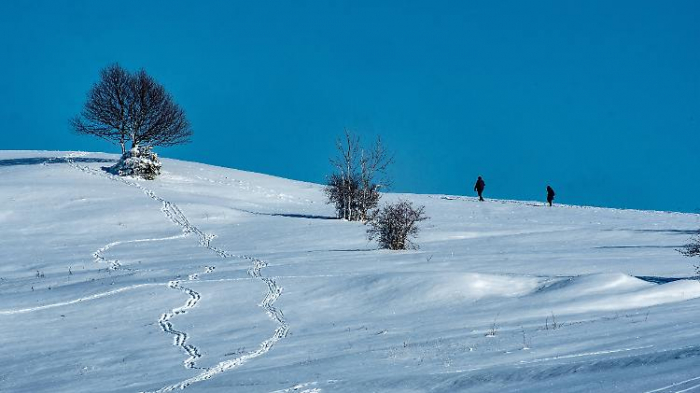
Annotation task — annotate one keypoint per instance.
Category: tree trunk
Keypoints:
(134, 146)
(134, 142)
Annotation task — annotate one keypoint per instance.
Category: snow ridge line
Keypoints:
(244, 185)
(175, 215)
(676, 384)
(114, 264)
(542, 204)
(584, 354)
(74, 301)
(120, 290)
(300, 388)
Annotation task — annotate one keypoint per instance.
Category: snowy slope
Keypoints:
(217, 280)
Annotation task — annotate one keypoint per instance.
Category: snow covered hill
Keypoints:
(216, 280)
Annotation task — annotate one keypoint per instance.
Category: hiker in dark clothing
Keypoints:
(479, 187)
(550, 195)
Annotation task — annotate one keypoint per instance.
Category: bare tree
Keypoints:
(125, 107)
(373, 179)
(394, 225)
(343, 185)
(106, 112)
(156, 120)
(342, 191)
(360, 174)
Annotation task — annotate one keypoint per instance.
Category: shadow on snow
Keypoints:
(665, 280)
(633, 246)
(48, 160)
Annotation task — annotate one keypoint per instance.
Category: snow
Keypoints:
(217, 280)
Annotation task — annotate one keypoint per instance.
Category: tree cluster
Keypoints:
(354, 187)
(132, 107)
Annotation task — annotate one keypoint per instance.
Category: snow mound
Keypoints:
(412, 291)
(592, 284)
(137, 162)
(612, 292)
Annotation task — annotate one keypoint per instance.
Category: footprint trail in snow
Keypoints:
(180, 339)
(274, 291)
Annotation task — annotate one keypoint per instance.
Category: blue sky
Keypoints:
(599, 99)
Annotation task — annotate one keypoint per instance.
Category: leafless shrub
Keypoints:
(394, 225)
(692, 249)
(493, 330)
(553, 325)
(527, 341)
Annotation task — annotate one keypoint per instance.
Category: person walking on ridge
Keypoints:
(479, 187)
(550, 195)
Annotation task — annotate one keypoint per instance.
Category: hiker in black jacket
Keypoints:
(479, 187)
(550, 195)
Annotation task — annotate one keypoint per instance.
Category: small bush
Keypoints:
(141, 162)
(692, 249)
(394, 225)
